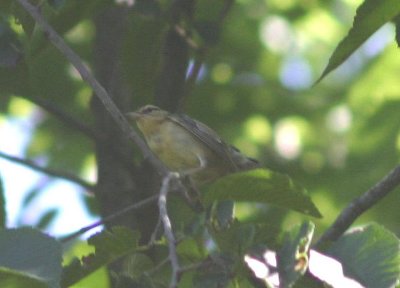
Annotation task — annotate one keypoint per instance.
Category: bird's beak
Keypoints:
(132, 115)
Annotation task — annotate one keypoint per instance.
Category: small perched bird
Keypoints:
(188, 146)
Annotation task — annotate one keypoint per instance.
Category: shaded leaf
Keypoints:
(136, 264)
(264, 186)
(370, 16)
(46, 219)
(370, 255)
(14, 279)
(32, 253)
(10, 52)
(224, 213)
(397, 25)
(109, 246)
(292, 258)
(236, 239)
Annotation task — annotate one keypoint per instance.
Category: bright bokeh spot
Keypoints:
(339, 119)
(89, 170)
(258, 129)
(276, 34)
(318, 25)
(378, 41)
(288, 139)
(296, 73)
(20, 107)
(221, 73)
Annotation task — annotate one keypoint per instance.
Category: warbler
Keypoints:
(188, 146)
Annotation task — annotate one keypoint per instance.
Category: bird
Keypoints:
(188, 146)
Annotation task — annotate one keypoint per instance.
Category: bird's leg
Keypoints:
(191, 193)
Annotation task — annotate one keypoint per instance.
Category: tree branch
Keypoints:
(126, 128)
(162, 204)
(109, 218)
(48, 171)
(100, 92)
(360, 205)
(201, 51)
(80, 126)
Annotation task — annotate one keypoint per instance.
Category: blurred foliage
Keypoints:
(259, 62)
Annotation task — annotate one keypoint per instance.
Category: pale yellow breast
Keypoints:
(177, 148)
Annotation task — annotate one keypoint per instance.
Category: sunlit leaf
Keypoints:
(263, 186)
(370, 255)
(330, 271)
(30, 252)
(109, 246)
(371, 15)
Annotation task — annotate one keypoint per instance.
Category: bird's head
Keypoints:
(148, 117)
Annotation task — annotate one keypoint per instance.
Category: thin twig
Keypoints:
(360, 205)
(162, 204)
(49, 171)
(100, 92)
(109, 218)
(201, 51)
(65, 117)
(153, 237)
(156, 268)
(81, 127)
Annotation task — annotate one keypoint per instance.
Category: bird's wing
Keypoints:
(207, 136)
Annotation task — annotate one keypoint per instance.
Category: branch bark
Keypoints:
(52, 172)
(360, 205)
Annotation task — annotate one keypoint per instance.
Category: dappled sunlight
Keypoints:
(221, 73)
(296, 73)
(339, 119)
(288, 142)
(258, 129)
(20, 107)
(276, 34)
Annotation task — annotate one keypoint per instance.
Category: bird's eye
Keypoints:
(150, 109)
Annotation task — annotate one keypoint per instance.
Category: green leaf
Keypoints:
(236, 239)
(264, 186)
(397, 25)
(109, 247)
(10, 53)
(370, 255)
(370, 16)
(30, 253)
(136, 264)
(292, 258)
(3, 215)
(13, 279)
(225, 213)
(46, 218)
